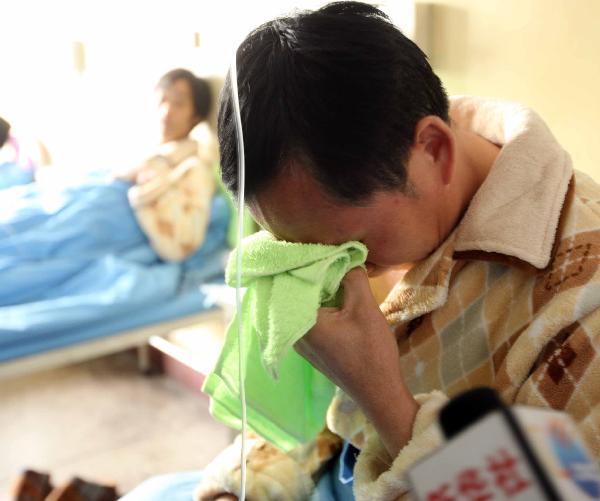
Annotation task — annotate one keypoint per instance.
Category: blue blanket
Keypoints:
(75, 258)
(13, 174)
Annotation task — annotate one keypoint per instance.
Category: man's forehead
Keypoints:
(295, 207)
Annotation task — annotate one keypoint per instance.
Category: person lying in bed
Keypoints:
(75, 252)
(172, 189)
(20, 156)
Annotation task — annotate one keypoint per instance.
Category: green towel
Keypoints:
(285, 283)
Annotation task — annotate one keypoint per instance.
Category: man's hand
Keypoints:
(355, 348)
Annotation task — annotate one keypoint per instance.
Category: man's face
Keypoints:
(176, 111)
(397, 228)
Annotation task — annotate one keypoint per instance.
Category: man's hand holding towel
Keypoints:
(340, 343)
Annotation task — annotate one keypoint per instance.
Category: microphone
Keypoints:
(498, 453)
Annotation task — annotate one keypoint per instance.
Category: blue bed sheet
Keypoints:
(74, 265)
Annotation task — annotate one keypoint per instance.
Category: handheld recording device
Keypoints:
(494, 452)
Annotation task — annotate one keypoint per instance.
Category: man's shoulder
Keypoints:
(581, 209)
(586, 187)
(576, 254)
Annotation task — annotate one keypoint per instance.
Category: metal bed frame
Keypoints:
(138, 338)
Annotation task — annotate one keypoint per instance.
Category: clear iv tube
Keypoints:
(238, 279)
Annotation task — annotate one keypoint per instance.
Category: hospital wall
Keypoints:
(543, 53)
(100, 113)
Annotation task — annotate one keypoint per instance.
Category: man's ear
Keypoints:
(435, 140)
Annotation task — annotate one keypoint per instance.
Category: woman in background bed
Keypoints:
(172, 190)
(119, 245)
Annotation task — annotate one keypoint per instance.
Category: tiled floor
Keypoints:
(105, 422)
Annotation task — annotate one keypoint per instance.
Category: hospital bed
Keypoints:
(60, 310)
(112, 336)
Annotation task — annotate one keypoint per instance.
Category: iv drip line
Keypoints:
(241, 171)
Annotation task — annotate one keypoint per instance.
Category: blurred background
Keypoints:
(80, 74)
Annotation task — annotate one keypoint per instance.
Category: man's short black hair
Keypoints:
(4, 131)
(201, 93)
(341, 89)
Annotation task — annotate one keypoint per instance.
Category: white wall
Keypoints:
(543, 53)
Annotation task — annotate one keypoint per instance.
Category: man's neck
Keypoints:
(475, 158)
